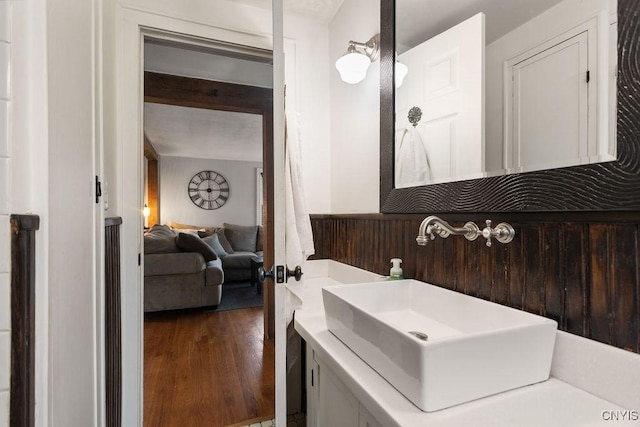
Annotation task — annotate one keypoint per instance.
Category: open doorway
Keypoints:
(208, 360)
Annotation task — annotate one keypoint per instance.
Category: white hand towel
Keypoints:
(298, 235)
(412, 163)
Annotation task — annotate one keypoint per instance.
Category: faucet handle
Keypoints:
(503, 232)
(488, 232)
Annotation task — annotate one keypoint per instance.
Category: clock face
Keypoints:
(208, 190)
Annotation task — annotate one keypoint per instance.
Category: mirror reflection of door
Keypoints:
(446, 81)
(549, 84)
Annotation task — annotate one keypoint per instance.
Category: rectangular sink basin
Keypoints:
(438, 347)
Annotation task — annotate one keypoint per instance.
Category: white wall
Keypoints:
(307, 78)
(355, 121)
(175, 173)
(5, 210)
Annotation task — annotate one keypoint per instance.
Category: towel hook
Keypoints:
(415, 114)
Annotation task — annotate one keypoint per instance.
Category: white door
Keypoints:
(551, 107)
(279, 210)
(446, 81)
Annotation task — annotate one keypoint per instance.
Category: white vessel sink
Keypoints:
(474, 348)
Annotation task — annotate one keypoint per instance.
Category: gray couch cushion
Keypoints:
(213, 274)
(239, 260)
(242, 238)
(221, 237)
(160, 240)
(173, 264)
(214, 242)
(192, 243)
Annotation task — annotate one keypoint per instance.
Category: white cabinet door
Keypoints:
(337, 407)
(366, 419)
(311, 381)
(329, 402)
(446, 81)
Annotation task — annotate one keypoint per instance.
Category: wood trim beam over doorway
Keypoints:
(198, 93)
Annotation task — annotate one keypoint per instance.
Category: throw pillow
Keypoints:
(160, 240)
(242, 237)
(222, 237)
(214, 242)
(192, 243)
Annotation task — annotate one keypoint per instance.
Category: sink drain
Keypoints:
(420, 335)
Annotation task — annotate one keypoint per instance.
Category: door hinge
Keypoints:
(312, 378)
(98, 189)
(139, 259)
(588, 76)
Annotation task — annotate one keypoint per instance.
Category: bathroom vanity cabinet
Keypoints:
(589, 380)
(329, 402)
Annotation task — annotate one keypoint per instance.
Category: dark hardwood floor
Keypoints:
(207, 368)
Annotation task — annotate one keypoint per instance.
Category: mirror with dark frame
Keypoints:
(611, 185)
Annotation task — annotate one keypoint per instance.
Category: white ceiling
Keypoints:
(320, 10)
(419, 20)
(200, 133)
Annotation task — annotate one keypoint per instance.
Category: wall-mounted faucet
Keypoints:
(433, 225)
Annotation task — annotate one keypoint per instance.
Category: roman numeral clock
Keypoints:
(208, 190)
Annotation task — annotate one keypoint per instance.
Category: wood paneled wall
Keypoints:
(113, 323)
(580, 269)
(23, 319)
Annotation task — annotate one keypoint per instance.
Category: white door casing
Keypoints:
(132, 25)
(446, 81)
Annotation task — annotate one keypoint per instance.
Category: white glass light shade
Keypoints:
(353, 67)
(401, 73)
(146, 211)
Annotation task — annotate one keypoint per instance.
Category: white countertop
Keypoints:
(550, 403)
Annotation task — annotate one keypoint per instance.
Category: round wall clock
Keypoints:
(208, 190)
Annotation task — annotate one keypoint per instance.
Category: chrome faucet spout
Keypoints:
(433, 225)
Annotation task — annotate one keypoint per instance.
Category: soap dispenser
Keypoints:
(396, 272)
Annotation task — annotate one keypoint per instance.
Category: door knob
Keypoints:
(296, 272)
(265, 274)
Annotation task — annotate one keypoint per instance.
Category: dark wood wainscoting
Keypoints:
(580, 269)
(113, 323)
(23, 318)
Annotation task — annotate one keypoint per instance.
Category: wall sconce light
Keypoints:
(354, 64)
(401, 73)
(146, 211)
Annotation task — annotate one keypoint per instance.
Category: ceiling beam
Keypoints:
(198, 93)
